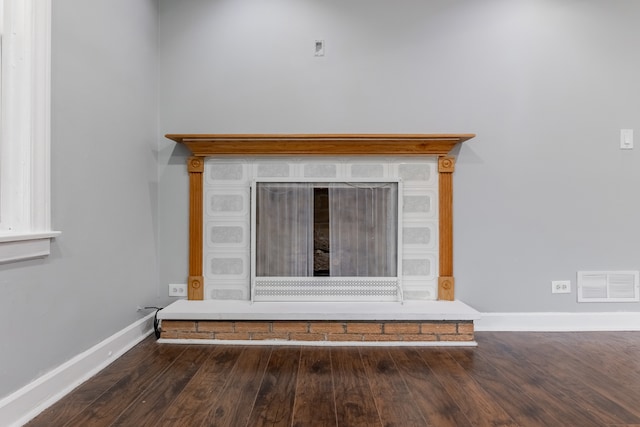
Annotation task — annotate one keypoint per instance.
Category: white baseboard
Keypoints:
(24, 404)
(551, 322)
(322, 343)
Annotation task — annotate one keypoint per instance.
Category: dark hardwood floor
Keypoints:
(511, 379)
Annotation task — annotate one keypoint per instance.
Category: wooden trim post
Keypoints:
(195, 283)
(446, 282)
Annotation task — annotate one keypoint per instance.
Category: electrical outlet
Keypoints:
(561, 286)
(177, 290)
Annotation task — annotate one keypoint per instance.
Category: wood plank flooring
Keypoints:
(511, 379)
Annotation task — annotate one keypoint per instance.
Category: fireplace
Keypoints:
(306, 226)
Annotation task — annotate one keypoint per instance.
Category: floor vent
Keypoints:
(608, 286)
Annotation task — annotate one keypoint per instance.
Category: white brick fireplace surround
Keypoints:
(229, 302)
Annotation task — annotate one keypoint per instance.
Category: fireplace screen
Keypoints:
(325, 240)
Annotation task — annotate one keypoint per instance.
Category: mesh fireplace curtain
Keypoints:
(363, 227)
(284, 234)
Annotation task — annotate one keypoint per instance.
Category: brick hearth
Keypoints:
(353, 331)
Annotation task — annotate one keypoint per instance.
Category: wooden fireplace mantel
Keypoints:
(319, 144)
(219, 145)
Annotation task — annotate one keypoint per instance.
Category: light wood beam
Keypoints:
(446, 281)
(195, 283)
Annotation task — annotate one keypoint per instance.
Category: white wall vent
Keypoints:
(608, 286)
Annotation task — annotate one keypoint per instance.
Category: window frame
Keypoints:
(25, 138)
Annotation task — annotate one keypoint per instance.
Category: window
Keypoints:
(25, 217)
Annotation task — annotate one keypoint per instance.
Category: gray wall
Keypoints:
(543, 190)
(104, 192)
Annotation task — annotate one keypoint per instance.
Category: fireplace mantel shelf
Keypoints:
(319, 144)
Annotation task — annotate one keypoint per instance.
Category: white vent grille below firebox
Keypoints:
(608, 286)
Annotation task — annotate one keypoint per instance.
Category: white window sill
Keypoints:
(21, 246)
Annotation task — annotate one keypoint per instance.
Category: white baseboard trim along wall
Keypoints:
(23, 405)
(551, 322)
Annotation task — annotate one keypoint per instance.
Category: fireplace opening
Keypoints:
(321, 235)
(325, 240)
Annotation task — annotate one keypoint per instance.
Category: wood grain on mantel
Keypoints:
(319, 144)
(216, 145)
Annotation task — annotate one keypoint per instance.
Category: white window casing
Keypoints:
(25, 211)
